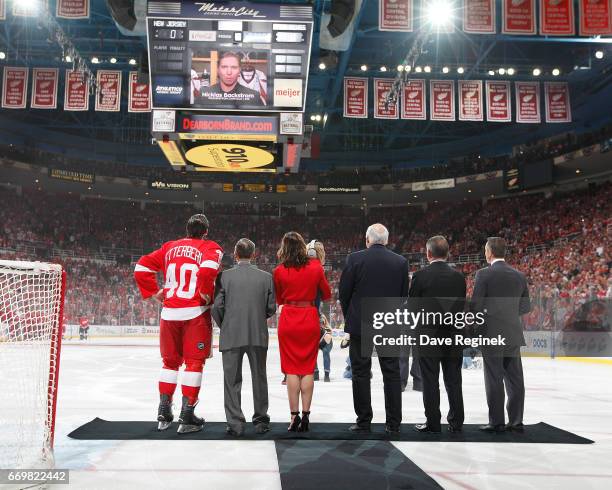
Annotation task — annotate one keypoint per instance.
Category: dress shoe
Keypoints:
(492, 428)
(515, 428)
(262, 428)
(426, 428)
(234, 432)
(455, 428)
(392, 430)
(360, 428)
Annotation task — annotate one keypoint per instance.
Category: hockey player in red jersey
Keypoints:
(190, 266)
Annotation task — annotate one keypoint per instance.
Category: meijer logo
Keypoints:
(287, 92)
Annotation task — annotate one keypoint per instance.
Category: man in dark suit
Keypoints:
(373, 272)
(446, 288)
(244, 300)
(502, 293)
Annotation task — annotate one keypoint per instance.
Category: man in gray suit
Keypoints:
(502, 293)
(244, 300)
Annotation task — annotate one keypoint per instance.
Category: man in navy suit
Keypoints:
(502, 293)
(373, 272)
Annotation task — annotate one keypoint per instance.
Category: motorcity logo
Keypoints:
(210, 8)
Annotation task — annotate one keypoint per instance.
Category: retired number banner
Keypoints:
(414, 100)
(44, 88)
(527, 102)
(382, 110)
(395, 15)
(108, 93)
(498, 101)
(518, 16)
(557, 17)
(595, 17)
(2, 9)
(76, 91)
(557, 102)
(139, 96)
(479, 16)
(442, 100)
(355, 97)
(72, 9)
(14, 87)
(470, 100)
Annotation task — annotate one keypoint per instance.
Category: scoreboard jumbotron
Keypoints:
(228, 83)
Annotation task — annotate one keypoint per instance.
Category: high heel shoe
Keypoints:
(304, 423)
(295, 423)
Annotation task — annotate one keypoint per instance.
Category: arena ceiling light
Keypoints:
(113, 60)
(364, 68)
(445, 69)
(439, 13)
(322, 66)
(318, 117)
(95, 60)
(556, 72)
(400, 68)
(132, 61)
(2, 55)
(501, 71)
(510, 71)
(383, 69)
(68, 58)
(313, 117)
(418, 69)
(427, 69)
(491, 73)
(408, 68)
(599, 54)
(537, 72)
(460, 70)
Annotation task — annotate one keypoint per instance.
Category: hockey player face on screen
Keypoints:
(229, 70)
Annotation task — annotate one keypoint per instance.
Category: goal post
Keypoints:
(31, 321)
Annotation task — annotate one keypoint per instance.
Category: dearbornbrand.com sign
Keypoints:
(169, 186)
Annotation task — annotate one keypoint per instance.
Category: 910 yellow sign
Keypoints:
(229, 157)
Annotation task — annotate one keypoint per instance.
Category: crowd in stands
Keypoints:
(563, 243)
(355, 175)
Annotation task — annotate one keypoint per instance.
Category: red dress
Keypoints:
(298, 326)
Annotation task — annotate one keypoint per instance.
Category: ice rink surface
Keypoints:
(116, 381)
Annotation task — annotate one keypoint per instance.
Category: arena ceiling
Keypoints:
(27, 42)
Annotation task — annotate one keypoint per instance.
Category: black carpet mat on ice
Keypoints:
(137, 430)
(358, 465)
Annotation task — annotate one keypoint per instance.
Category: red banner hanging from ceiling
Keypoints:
(108, 92)
(382, 108)
(595, 17)
(76, 91)
(44, 88)
(479, 16)
(557, 102)
(498, 101)
(395, 15)
(414, 99)
(72, 9)
(14, 87)
(470, 100)
(518, 17)
(442, 100)
(355, 97)
(139, 95)
(557, 17)
(527, 102)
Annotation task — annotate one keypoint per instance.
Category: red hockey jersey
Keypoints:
(190, 267)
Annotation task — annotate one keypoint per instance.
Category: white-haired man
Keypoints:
(373, 272)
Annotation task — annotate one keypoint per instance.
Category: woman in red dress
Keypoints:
(297, 280)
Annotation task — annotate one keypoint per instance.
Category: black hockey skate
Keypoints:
(188, 421)
(164, 412)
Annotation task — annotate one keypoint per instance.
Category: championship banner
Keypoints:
(498, 101)
(72, 9)
(382, 109)
(30, 9)
(479, 16)
(76, 91)
(518, 17)
(527, 102)
(355, 97)
(395, 15)
(557, 102)
(14, 87)
(2, 10)
(442, 100)
(470, 100)
(413, 100)
(44, 88)
(108, 92)
(557, 17)
(139, 95)
(595, 17)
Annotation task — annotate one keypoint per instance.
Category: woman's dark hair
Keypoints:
(292, 252)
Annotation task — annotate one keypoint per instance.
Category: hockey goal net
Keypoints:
(31, 313)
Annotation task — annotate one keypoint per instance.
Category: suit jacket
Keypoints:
(371, 273)
(244, 300)
(503, 292)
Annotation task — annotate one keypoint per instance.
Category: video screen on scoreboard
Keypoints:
(229, 65)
